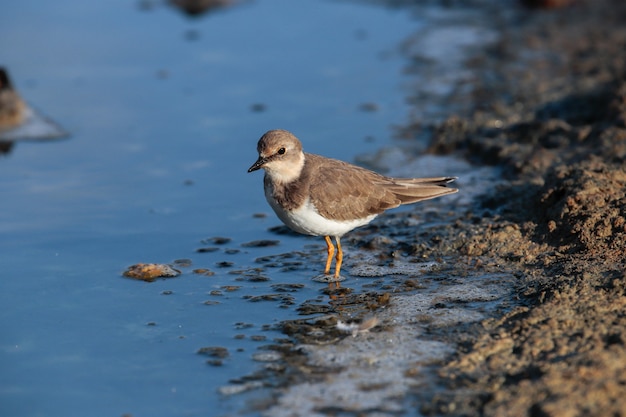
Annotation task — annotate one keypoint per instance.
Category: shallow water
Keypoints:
(164, 112)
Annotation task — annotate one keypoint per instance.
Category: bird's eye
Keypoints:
(281, 151)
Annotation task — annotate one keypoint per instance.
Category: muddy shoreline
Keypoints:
(555, 121)
(545, 112)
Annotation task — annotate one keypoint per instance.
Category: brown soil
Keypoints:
(548, 104)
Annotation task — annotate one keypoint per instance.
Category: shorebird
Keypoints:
(12, 107)
(320, 196)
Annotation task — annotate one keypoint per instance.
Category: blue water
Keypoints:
(159, 107)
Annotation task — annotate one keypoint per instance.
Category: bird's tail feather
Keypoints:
(412, 190)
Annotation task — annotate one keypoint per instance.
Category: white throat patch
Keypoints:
(285, 171)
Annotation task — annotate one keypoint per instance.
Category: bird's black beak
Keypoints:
(258, 164)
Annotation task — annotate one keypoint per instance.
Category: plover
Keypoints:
(320, 196)
(12, 107)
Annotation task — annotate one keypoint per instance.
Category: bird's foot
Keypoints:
(328, 278)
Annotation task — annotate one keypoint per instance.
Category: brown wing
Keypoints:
(341, 191)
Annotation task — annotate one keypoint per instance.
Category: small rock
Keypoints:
(260, 243)
(150, 272)
(214, 352)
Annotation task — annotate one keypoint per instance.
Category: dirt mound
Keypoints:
(555, 120)
(585, 209)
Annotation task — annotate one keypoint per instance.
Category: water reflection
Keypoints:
(165, 112)
(163, 128)
(19, 121)
(199, 7)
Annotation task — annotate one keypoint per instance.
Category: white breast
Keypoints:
(308, 221)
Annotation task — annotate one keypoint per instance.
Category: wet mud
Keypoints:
(520, 309)
(550, 110)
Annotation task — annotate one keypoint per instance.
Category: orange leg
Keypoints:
(331, 252)
(339, 258)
